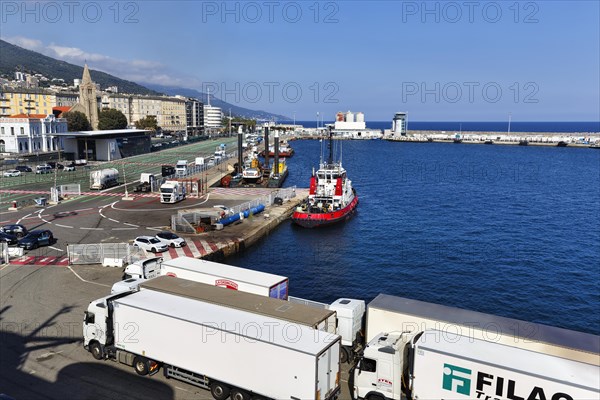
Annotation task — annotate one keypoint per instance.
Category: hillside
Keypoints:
(12, 56)
(235, 110)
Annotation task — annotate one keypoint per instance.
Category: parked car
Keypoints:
(43, 169)
(10, 240)
(170, 239)
(15, 229)
(23, 168)
(150, 243)
(54, 164)
(11, 172)
(37, 238)
(70, 167)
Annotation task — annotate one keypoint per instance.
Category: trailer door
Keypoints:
(328, 367)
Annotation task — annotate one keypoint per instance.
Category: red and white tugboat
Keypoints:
(331, 197)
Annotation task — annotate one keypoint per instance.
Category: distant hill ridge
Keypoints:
(12, 57)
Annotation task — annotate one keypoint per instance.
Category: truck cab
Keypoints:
(143, 269)
(181, 168)
(379, 371)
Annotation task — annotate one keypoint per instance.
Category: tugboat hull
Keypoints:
(313, 220)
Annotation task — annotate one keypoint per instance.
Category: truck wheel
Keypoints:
(140, 364)
(344, 356)
(97, 351)
(239, 394)
(219, 390)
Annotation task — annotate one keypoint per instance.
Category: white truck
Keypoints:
(349, 312)
(104, 178)
(147, 182)
(232, 353)
(420, 350)
(172, 192)
(211, 273)
(181, 168)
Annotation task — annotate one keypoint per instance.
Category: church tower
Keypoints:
(87, 98)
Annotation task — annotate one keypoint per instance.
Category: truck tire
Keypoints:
(97, 350)
(239, 394)
(153, 250)
(140, 364)
(219, 390)
(344, 356)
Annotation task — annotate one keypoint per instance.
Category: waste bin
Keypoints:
(41, 201)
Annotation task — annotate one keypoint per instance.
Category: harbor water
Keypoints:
(506, 230)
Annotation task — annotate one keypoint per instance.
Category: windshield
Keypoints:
(166, 190)
(167, 235)
(154, 240)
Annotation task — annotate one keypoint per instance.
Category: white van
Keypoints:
(43, 169)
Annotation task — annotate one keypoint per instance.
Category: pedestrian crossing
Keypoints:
(110, 194)
(195, 248)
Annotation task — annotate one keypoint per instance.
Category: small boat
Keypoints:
(285, 150)
(561, 144)
(278, 174)
(331, 196)
(595, 146)
(523, 142)
(489, 141)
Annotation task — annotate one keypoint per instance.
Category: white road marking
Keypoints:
(123, 229)
(63, 226)
(83, 280)
(93, 229)
(19, 221)
(84, 209)
(55, 248)
(113, 220)
(154, 229)
(126, 223)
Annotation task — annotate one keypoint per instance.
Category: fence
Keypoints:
(184, 221)
(70, 190)
(81, 254)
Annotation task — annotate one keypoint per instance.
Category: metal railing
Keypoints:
(96, 253)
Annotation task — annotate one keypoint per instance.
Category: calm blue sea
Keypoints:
(507, 230)
(515, 126)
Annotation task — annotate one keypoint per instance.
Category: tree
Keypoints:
(149, 123)
(77, 121)
(109, 118)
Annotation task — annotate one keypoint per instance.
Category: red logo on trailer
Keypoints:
(171, 274)
(226, 283)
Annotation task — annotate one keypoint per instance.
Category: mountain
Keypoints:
(12, 57)
(235, 110)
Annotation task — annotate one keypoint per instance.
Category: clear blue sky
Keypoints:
(445, 61)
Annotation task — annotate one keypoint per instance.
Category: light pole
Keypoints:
(125, 182)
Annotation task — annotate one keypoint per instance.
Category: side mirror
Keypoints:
(359, 366)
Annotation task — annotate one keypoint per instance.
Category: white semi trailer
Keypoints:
(321, 319)
(441, 365)
(422, 350)
(212, 273)
(104, 178)
(227, 351)
(349, 312)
